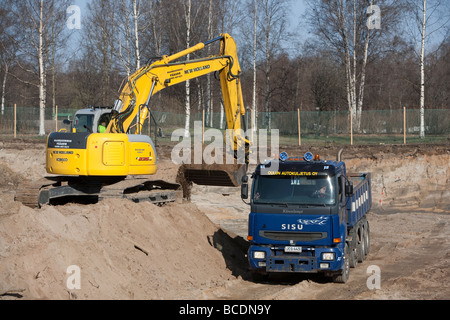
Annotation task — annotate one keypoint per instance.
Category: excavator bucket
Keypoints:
(225, 175)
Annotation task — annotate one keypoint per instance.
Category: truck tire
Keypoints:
(344, 274)
(353, 257)
(361, 243)
(367, 237)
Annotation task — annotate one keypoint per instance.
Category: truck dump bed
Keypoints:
(361, 200)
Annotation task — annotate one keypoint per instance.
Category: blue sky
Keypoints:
(298, 8)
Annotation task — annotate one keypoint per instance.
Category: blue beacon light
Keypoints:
(283, 156)
(308, 156)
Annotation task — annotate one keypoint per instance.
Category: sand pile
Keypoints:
(123, 250)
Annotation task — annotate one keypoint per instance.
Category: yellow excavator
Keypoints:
(93, 164)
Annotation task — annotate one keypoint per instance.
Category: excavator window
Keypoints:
(83, 122)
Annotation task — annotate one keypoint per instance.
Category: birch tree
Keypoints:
(273, 27)
(185, 21)
(100, 38)
(428, 18)
(187, 106)
(209, 92)
(351, 29)
(133, 23)
(7, 50)
(255, 48)
(34, 38)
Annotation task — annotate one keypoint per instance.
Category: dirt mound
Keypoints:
(123, 250)
(9, 179)
(127, 250)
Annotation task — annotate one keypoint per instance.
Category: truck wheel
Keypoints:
(367, 237)
(361, 246)
(344, 274)
(353, 257)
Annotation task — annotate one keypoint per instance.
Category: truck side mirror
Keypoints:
(244, 188)
(348, 188)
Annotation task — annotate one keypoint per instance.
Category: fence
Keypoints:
(313, 125)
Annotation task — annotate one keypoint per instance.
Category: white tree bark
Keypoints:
(41, 72)
(422, 76)
(5, 76)
(254, 108)
(355, 95)
(222, 112)
(267, 64)
(209, 100)
(362, 80)
(187, 106)
(136, 33)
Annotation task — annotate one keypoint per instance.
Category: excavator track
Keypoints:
(62, 189)
(28, 192)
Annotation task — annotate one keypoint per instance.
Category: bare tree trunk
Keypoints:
(222, 111)
(136, 34)
(362, 80)
(253, 120)
(422, 76)
(41, 72)
(5, 76)
(187, 106)
(267, 67)
(350, 79)
(209, 104)
(125, 61)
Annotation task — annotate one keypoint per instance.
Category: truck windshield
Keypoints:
(316, 190)
(83, 122)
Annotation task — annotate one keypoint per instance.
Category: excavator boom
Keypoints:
(134, 101)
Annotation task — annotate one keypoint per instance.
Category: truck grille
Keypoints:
(299, 236)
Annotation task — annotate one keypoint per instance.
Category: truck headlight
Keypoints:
(328, 256)
(259, 254)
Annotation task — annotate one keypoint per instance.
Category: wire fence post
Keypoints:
(404, 125)
(56, 118)
(203, 125)
(298, 125)
(351, 126)
(15, 119)
(251, 124)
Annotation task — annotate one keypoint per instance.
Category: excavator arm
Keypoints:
(134, 100)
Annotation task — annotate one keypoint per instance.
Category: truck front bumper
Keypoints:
(310, 260)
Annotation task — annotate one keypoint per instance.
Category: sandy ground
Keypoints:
(196, 250)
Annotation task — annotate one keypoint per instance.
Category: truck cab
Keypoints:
(298, 220)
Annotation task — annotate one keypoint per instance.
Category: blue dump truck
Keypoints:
(307, 216)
